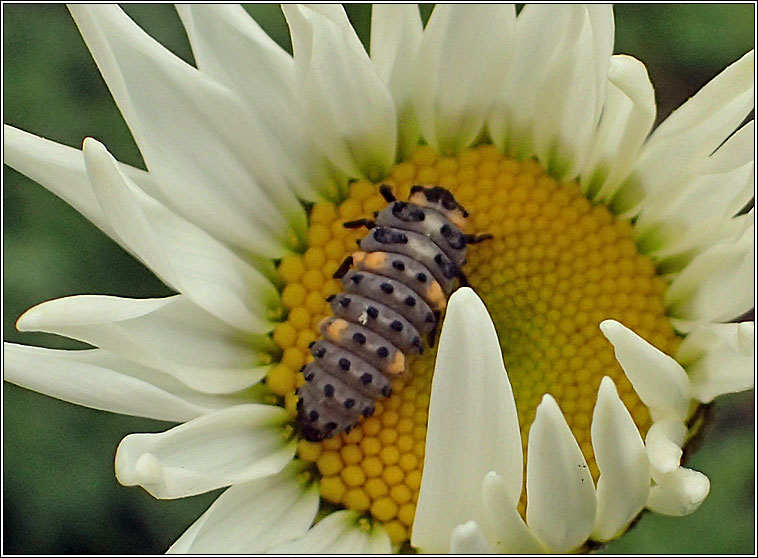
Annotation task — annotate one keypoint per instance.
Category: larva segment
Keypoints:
(351, 369)
(427, 222)
(416, 246)
(378, 318)
(393, 294)
(363, 342)
(441, 200)
(407, 270)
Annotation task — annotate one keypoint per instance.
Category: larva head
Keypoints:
(441, 200)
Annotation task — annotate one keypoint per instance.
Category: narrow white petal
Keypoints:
(627, 118)
(61, 170)
(183, 544)
(659, 380)
(719, 359)
(171, 334)
(96, 379)
(237, 444)
(700, 203)
(207, 154)
(252, 517)
(482, 435)
(469, 539)
(350, 109)
(231, 47)
(679, 493)
(552, 98)
(717, 285)
(560, 494)
(396, 31)
(458, 70)
(339, 533)
(690, 133)
(182, 255)
(624, 483)
(506, 530)
(664, 443)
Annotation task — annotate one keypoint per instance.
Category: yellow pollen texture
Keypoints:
(555, 268)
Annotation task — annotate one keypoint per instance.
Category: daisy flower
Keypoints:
(568, 378)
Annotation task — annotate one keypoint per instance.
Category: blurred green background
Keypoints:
(59, 491)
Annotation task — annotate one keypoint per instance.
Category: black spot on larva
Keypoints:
(378, 325)
(311, 344)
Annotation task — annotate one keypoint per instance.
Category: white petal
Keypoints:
(627, 118)
(237, 444)
(396, 31)
(702, 202)
(182, 255)
(690, 133)
(506, 530)
(253, 517)
(659, 380)
(560, 495)
(61, 170)
(719, 359)
(717, 285)
(230, 46)
(482, 435)
(96, 379)
(207, 154)
(553, 95)
(679, 493)
(469, 539)
(350, 109)
(664, 443)
(624, 483)
(339, 533)
(458, 71)
(171, 334)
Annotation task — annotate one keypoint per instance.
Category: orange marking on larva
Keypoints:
(358, 257)
(398, 364)
(375, 260)
(335, 329)
(457, 218)
(435, 295)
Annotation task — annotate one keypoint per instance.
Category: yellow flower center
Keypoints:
(555, 268)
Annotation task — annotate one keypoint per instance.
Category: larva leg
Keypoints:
(368, 223)
(343, 268)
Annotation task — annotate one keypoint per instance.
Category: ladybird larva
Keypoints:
(395, 288)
